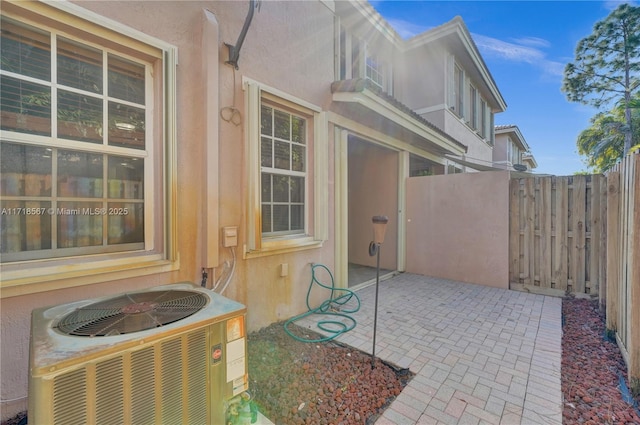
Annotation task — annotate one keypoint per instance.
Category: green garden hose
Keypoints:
(330, 307)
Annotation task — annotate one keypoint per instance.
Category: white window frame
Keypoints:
(375, 70)
(159, 255)
(316, 192)
(458, 78)
(484, 119)
(473, 106)
(273, 170)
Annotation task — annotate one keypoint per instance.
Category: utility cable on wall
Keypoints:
(231, 113)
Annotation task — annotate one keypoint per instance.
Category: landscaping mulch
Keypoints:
(594, 375)
(295, 382)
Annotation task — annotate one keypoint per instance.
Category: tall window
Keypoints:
(355, 58)
(79, 163)
(484, 119)
(287, 172)
(513, 153)
(473, 107)
(283, 152)
(342, 47)
(458, 90)
(375, 70)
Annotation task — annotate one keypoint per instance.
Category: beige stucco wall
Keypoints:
(458, 227)
(423, 85)
(422, 77)
(373, 190)
(289, 46)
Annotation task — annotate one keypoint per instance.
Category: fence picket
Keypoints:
(529, 231)
(544, 216)
(554, 215)
(560, 267)
(613, 246)
(579, 233)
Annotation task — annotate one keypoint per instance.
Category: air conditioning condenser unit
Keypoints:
(174, 354)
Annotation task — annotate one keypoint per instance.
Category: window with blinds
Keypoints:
(75, 146)
(283, 154)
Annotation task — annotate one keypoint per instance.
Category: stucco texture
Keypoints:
(458, 227)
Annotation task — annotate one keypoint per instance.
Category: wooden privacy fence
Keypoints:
(622, 293)
(557, 234)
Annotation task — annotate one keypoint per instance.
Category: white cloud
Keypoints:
(523, 50)
(532, 41)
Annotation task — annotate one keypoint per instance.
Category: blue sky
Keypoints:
(526, 45)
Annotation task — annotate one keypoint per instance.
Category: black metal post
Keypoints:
(375, 311)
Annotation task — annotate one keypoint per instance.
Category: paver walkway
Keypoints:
(481, 355)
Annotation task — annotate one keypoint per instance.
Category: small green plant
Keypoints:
(634, 387)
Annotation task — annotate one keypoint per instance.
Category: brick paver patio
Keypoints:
(481, 355)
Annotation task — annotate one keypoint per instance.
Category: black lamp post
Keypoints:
(379, 228)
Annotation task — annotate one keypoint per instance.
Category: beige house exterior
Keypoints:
(238, 174)
(512, 149)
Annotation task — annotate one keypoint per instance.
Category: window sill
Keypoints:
(23, 282)
(283, 247)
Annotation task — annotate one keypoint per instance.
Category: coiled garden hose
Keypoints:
(330, 307)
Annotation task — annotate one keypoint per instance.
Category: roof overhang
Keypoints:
(528, 157)
(513, 129)
(386, 115)
(456, 36)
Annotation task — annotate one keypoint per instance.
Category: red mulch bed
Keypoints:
(295, 382)
(591, 369)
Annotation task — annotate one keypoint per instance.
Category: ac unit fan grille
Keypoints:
(132, 312)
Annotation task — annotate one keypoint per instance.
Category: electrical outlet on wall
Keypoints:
(229, 236)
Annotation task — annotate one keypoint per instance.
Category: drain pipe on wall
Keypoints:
(234, 50)
(229, 240)
(230, 274)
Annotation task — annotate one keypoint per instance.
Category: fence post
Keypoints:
(634, 268)
(613, 233)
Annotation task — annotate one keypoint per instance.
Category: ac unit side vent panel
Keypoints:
(70, 398)
(143, 384)
(110, 391)
(197, 377)
(179, 363)
(171, 364)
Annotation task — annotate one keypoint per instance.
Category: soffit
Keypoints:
(359, 101)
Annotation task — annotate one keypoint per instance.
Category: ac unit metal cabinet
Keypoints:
(179, 373)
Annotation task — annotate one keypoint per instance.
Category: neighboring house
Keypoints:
(446, 81)
(529, 161)
(132, 152)
(511, 149)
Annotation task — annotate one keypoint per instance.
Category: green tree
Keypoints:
(607, 64)
(603, 142)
